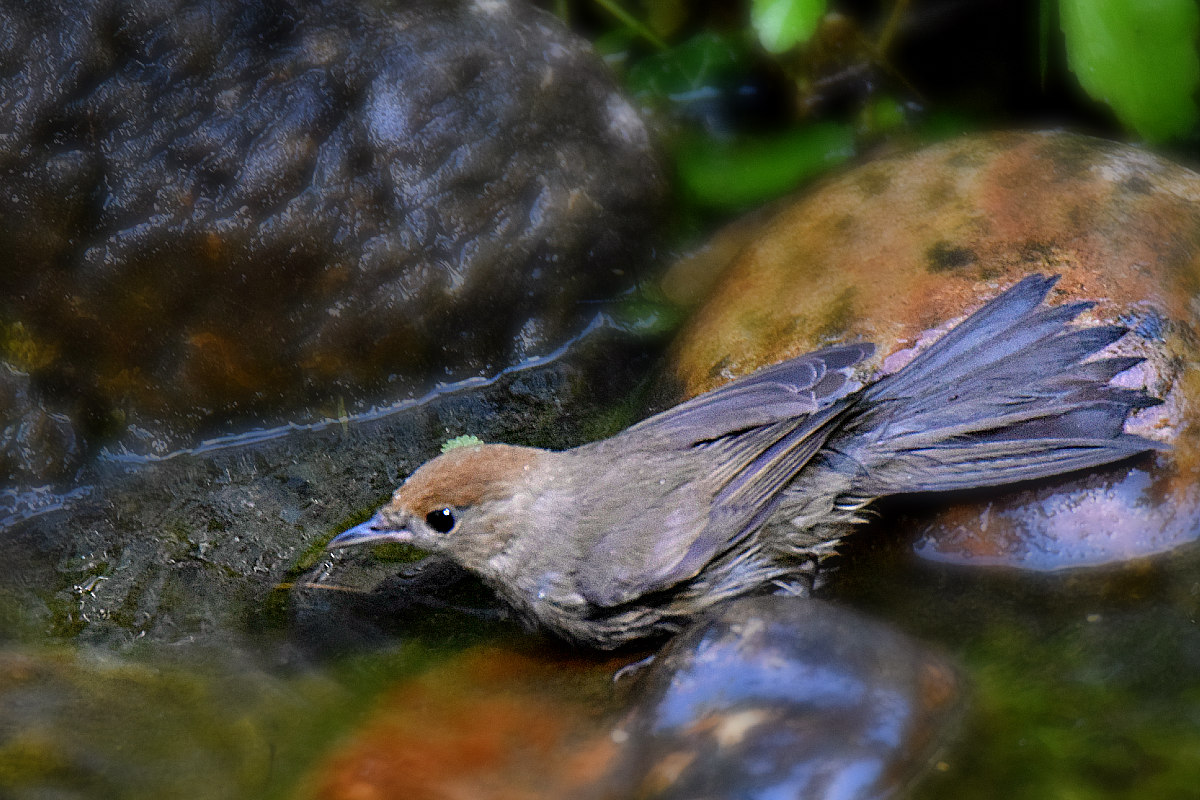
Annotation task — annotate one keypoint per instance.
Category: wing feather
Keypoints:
(749, 470)
(785, 391)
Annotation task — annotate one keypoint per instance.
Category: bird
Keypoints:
(748, 489)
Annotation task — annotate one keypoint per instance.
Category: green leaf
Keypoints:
(1139, 57)
(749, 170)
(781, 24)
(633, 23)
(703, 61)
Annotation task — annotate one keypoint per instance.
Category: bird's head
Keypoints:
(465, 503)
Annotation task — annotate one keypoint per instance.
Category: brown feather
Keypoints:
(465, 476)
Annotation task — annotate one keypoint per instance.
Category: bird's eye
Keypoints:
(441, 520)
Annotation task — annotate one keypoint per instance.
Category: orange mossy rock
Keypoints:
(897, 250)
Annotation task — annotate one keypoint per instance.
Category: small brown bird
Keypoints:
(745, 489)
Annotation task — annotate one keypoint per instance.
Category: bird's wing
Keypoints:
(673, 538)
(785, 391)
(647, 551)
(752, 436)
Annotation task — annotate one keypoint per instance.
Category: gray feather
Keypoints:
(786, 391)
(1008, 395)
(1018, 401)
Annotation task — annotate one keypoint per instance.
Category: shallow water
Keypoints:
(132, 672)
(1081, 686)
(1086, 683)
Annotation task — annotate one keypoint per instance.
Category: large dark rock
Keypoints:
(216, 209)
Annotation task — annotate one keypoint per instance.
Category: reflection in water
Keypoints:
(1083, 680)
(17, 505)
(1102, 519)
(1076, 683)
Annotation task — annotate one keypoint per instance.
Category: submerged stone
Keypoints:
(898, 250)
(490, 723)
(772, 697)
(787, 697)
(198, 546)
(78, 725)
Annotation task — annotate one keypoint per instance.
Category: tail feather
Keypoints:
(945, 469)
(1086, 421)
(1045, 378)
(985, 332)
(1103, 370)
(1005, 396)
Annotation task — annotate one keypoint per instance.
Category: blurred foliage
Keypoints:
(1138, 57)
(743, 171)
(696, 65)
(752, 99)
(783, 24)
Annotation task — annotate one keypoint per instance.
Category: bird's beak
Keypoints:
(374, 530)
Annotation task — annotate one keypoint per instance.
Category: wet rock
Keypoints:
(33, 439)
(195, 547)
(787, 697)
(268, 209)
(897, 250)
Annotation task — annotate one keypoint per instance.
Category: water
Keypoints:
(150, 645)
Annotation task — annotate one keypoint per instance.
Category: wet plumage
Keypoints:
(746, 488)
